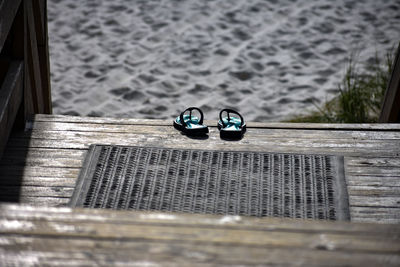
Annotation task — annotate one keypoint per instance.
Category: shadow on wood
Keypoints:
(24, 64)
(11, 179)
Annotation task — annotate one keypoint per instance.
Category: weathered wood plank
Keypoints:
(37, 181)
(90, 236)
(39, 126)
(272, 125)
(223, 236)
(372, 170)
(283, 146)
(43, 127)
(53, 251)
(338, 143)
(374, 161)
(278, 147)
(40, 18)
(220, 233)
(29, 84)
(373, 191)
(17, 153)
(37, 171)
(77, 215)
(32, 59)
(372, 180)
(375, 214)
(39, 201)
(36, 191)
(374, 201)
(214, 135)
(10, 99)
(42, 161)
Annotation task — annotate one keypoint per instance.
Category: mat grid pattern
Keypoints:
(213, 182)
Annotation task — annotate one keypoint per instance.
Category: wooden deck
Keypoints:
(37, 236)
(40, 166)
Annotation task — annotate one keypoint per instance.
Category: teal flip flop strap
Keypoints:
(190, 115)
(228, 111)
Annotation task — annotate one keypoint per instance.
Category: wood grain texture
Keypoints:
(29, 86)
(208, 221)
(40, 18)
(273, 125)
(44, 161)
(155, 136)
(50, 236)
(32, 58)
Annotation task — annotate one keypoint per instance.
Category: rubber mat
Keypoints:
(213, 182)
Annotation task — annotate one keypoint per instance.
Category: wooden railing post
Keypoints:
(40, 17)
(24, 64)
(390, 111)
(37, 57)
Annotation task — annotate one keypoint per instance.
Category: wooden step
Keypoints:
(50, 236)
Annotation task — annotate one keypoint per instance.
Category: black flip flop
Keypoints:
(231, 127)
(191, 125)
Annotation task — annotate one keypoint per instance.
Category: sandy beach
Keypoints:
(151, 59)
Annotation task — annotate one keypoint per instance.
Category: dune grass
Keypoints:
(360, 95)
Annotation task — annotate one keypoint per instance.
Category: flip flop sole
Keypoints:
(190, 131)
(231, 134)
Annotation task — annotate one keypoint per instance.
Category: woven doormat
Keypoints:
(213, 182)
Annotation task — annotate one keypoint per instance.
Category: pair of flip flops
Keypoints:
(229, 126)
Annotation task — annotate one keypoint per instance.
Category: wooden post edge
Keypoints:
(390, 111)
